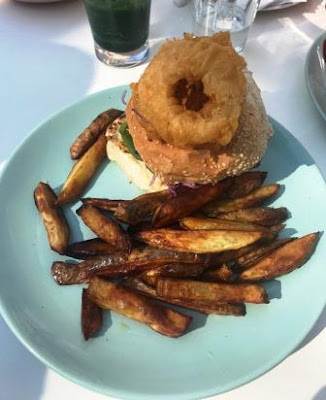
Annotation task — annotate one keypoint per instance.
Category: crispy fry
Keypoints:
(104, 227)
(266, 216)
(97, 127)
(200, 306)
(53, 218)
(132, 304)
(197, 223)
(91, 316)
(198, 241)
(281, 261)
(89, 248)
(122, 264)
(179, 270)
(222, 273)
(144, 206)
(256, 197)
(186, 202)
(245, 183)
(82, 172)
(207, 291)
(103, 204)
(249, 258)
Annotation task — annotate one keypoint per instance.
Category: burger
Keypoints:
(196, 116)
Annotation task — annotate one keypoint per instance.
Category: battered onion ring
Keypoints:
(197, 97)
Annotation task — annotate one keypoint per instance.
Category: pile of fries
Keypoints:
(202, 248)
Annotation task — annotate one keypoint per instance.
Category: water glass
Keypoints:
(120, 30)
(235, 16)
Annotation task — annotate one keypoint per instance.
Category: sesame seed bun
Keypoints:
(207, 164)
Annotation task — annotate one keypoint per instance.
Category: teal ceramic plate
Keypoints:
(315, 73)
(128, 360)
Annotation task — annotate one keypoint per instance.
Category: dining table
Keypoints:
(48, 62)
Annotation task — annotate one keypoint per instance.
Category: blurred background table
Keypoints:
(48, 62)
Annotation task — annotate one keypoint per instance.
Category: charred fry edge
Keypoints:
(281, 261)
(134, 305)
(55, 223)
(207, 291)
(203, 307)
(91, 316)
(97, 127)
(104, 227)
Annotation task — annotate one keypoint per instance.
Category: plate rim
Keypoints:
(306, 72)
(121, 393)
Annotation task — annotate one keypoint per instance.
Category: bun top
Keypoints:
(192, 92)
(207, 164)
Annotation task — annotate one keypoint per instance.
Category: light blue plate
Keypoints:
(315, 74)
(128, 359)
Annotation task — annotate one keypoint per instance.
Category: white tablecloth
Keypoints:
(47, 62)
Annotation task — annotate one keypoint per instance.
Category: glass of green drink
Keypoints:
(120, 30)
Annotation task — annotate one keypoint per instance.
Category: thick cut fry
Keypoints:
(97, 127)
(103, 204)
(125, 301)
(254, 198)
(207, 291)
(203, 307)
(281, 261)
(89, 248)
(197, 223)
(121, 264)
(133, 211)
(91, 316)
(198, 241)
(249, 258)
(173, 270)
(222, 273)
(245, 183)
(53, 218)
(186, 203)
(82, 172)
(104, 227)
(265, 216)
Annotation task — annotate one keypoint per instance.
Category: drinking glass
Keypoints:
(235, 16)
(120, 30)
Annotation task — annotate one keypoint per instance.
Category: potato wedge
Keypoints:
(133, 211)
(214, 292)
(197, 223)
(186, 202)
(265, 216)
(91, 316)
(222, 273)
(281, 261)
(53, 218)
(103, 204)
(203, 307)
(173, 270)
(97, 127)
(256, 197)
(132, 304)
(104, 227)
(245, 183)
(249, 258)
(82, 172)
(89, 248)
(121, 264)
(198, 241)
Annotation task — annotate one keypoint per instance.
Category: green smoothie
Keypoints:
(119, 26)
